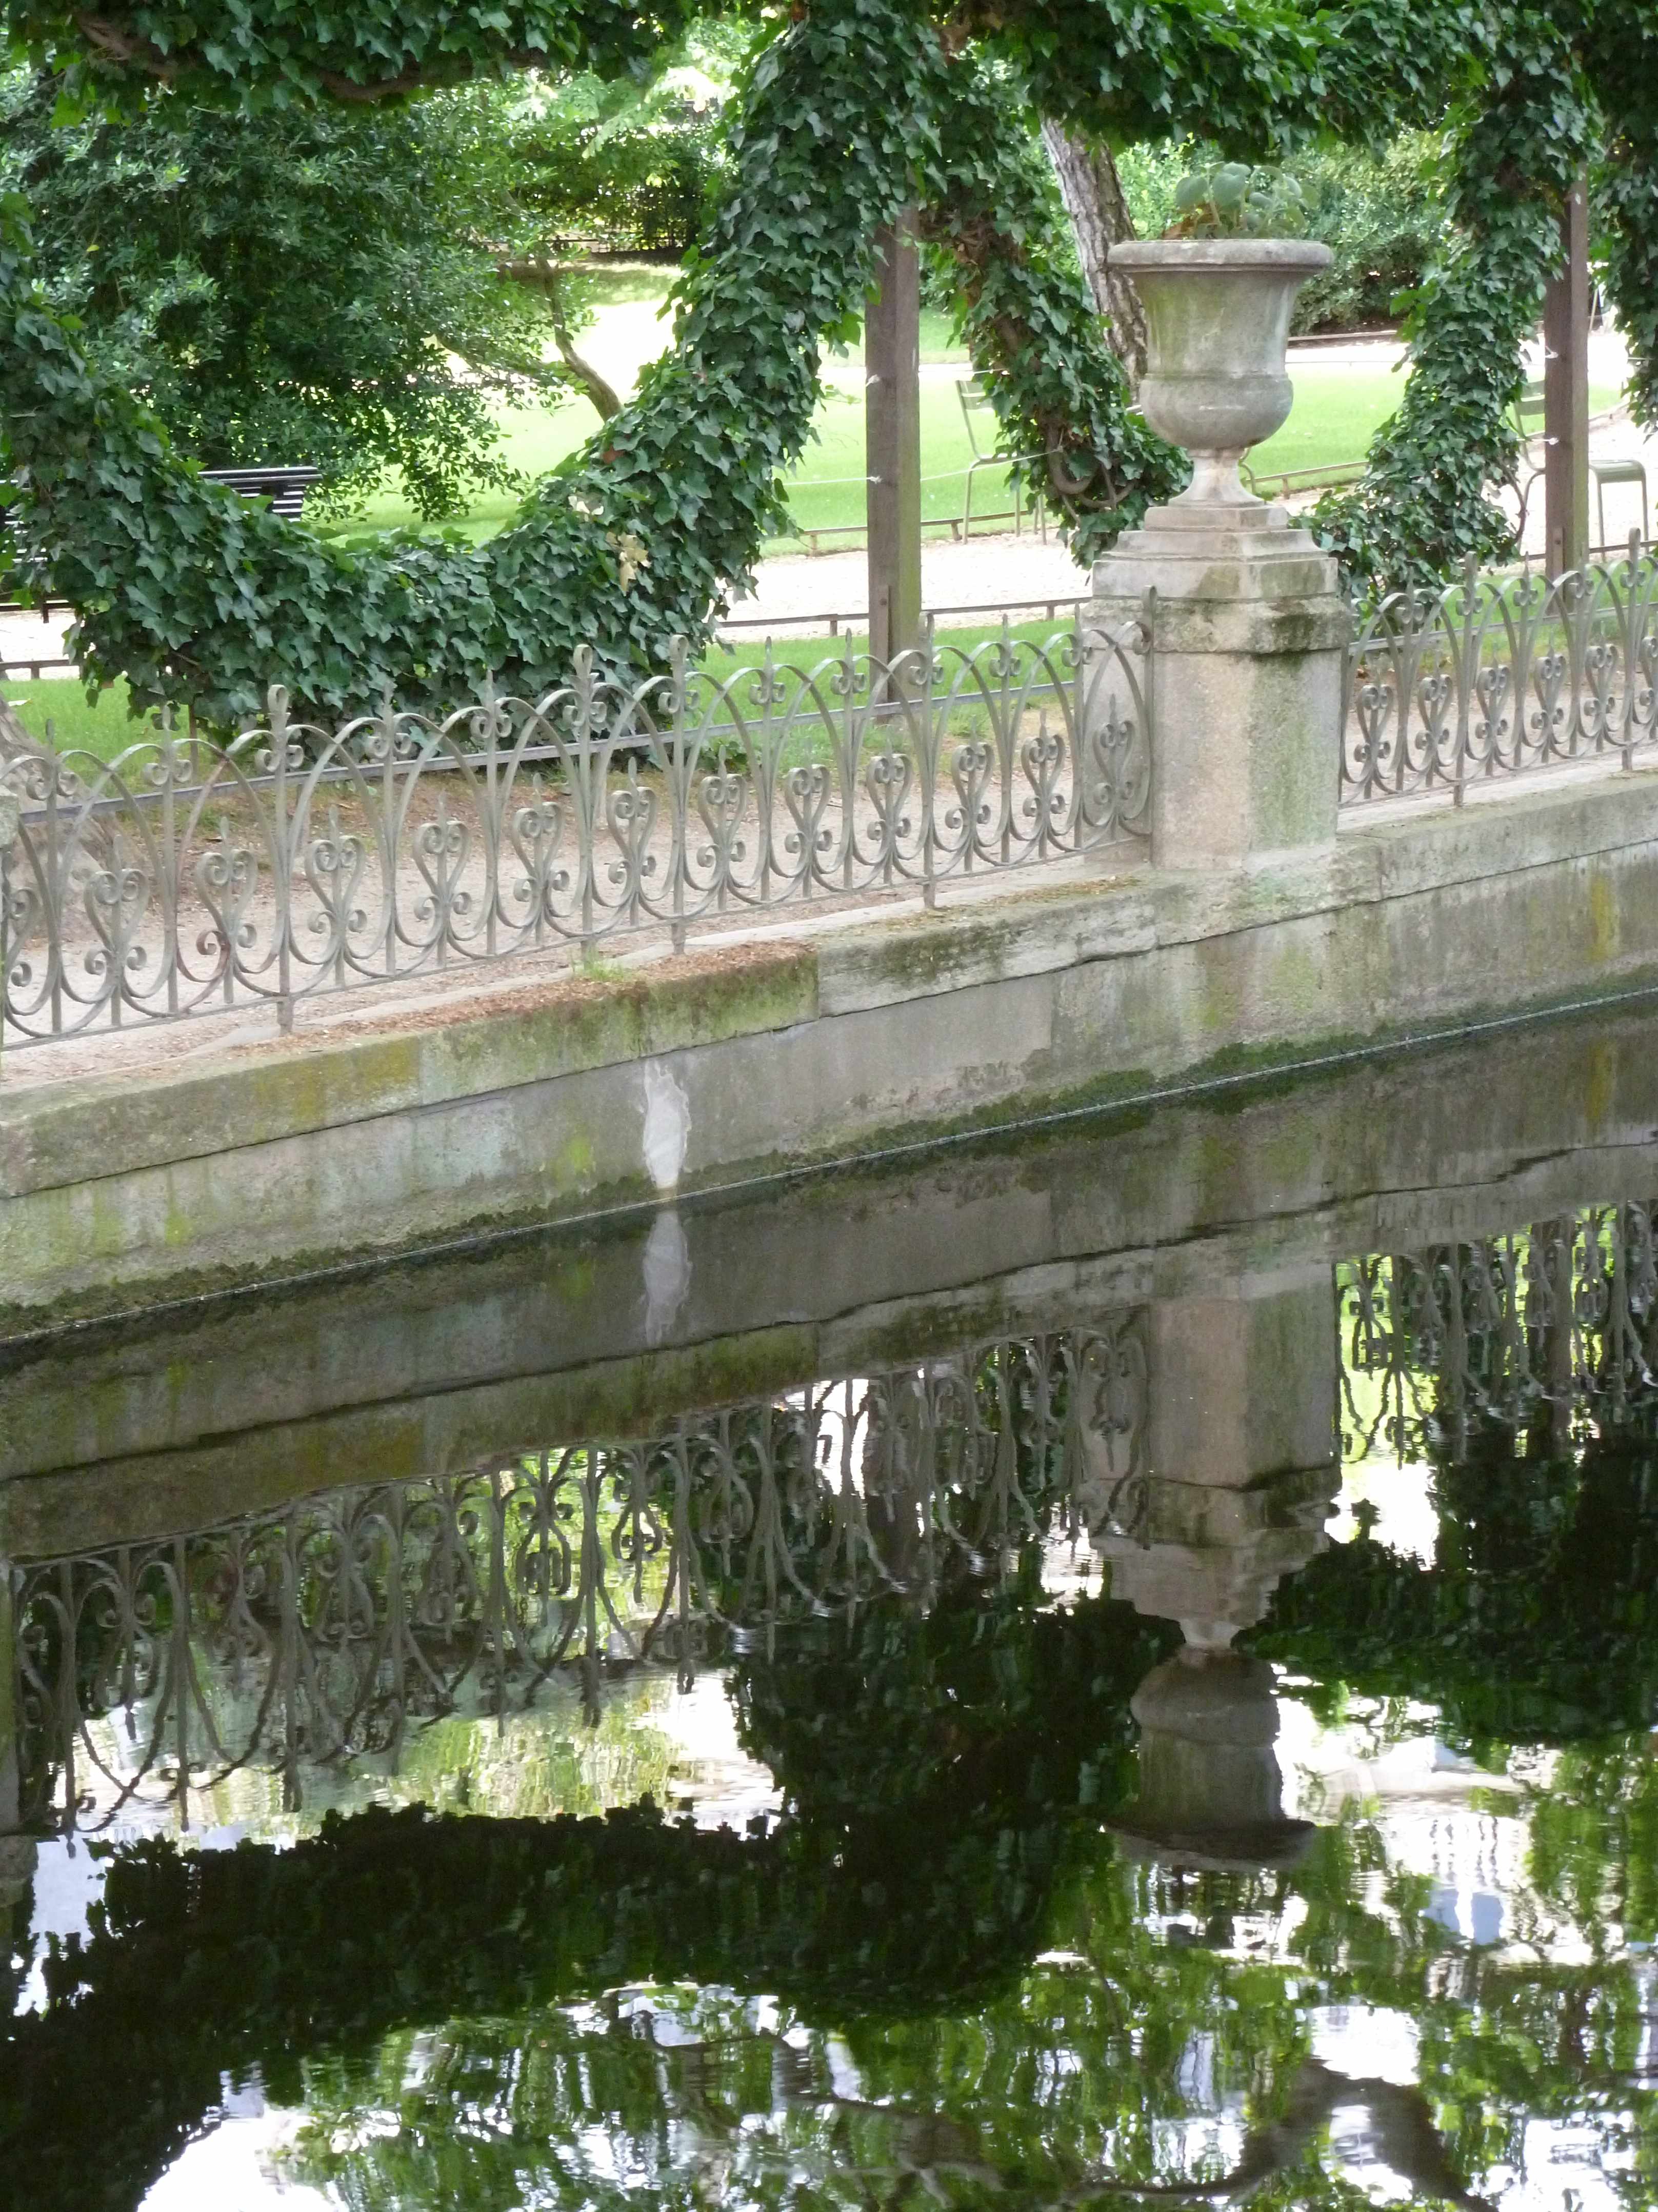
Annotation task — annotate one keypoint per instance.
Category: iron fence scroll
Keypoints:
(1496, 676)
(186, 877)
(337, 1626)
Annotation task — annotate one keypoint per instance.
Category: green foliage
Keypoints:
(1230, 199)
(1536, 1557)
(1382, 216)
(856, 105)
(316, 286)
(1425, 505)
(194, 597)
(1030, 323)
(592, 159)
(285, 54)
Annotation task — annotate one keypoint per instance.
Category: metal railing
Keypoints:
(342, 1623)
(1541, 1331)
(1499, 676)
(185, 877)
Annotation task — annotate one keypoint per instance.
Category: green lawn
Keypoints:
(105, 728)
(1337, 410)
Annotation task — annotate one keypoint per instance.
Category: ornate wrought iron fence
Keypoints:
(185, 878)
(1551, 1325)
(335, 1627)
(1497, 676)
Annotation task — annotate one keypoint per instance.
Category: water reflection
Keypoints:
(1207, 1759)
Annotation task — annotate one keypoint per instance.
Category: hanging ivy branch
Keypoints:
(1425, 505)
(857, 105)
(1059, 391)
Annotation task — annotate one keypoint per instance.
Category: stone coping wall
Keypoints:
(567, 1099)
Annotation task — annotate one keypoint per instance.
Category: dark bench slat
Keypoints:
(285, 488)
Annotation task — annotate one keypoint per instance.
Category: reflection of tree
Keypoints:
(1535, 1623)
(1010, 2003)
(1136, 2057)
(388, 1920)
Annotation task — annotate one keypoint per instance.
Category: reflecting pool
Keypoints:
(1116, 1665)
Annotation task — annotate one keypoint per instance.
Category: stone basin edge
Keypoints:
(588, 1090)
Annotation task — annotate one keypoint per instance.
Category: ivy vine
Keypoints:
(858, 108)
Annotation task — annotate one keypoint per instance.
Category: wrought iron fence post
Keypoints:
(681, 740)
(10, 810)
(1632, 648)
(1467, 683)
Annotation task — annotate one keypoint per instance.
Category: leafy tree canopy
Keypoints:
(855, 107)
(318, 286)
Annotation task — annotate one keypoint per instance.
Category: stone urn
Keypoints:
(1217, 325)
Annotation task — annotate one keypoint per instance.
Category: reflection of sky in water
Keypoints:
(1397, 1496)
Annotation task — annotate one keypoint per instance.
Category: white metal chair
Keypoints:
(973, 393)
(1616, 469)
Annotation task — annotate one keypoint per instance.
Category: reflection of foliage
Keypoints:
(1163, 2039)
(938, 1769)
(1535, 1623)
(393, 1918)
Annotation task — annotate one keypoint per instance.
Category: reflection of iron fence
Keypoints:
(334, 1628)
(185, 877)
(1495, 677)
(1549, 1325)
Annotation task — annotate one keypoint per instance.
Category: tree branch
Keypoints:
(545, 276)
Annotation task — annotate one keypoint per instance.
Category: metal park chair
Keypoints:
(973, 393)
(1619, 469)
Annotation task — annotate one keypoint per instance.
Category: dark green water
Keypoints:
(1146, 1696)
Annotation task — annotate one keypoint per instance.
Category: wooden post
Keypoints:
(1566, 395)
(892, 440)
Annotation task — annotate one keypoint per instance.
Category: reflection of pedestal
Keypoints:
(1210, 1792)
(1242, 1468)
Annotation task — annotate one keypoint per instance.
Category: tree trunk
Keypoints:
(545, 275)
(1099, 214)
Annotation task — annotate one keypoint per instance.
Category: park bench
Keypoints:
(285, 488)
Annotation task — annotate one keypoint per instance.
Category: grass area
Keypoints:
(1337, 410)
(57, 707)
(105, 729)
(628, 331)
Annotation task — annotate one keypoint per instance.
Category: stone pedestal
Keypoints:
(1248, 631)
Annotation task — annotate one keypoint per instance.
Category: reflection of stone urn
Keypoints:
(1218, 318)
(1211, 1791)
